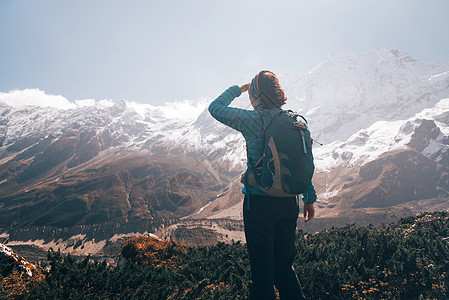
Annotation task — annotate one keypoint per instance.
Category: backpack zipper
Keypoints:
(303, 142)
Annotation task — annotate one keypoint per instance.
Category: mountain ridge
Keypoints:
(101, 163)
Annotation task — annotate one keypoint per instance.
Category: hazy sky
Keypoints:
(157, 51)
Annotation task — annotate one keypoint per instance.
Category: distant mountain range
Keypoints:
(382, 116)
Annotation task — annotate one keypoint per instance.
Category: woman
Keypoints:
(270, 222)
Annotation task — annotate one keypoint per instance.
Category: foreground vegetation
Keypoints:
(405, 260)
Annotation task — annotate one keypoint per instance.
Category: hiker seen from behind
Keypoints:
(279, 171)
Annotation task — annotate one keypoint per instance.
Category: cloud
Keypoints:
(184, 109)
(93, 102)
(37, 97)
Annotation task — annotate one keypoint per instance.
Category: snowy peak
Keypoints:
(357, 89)
(357, 104)
(376, 62)
(101, 162)
(422, 132)
(126, 123)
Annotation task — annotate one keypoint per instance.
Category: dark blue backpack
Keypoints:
(286, 166)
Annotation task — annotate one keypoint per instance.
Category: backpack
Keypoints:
(286, 166)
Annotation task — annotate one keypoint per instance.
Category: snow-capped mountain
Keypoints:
(352, 90)
(177, 161)
(359, 105)
(125, 124)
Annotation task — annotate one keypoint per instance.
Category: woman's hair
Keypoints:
(265, 86)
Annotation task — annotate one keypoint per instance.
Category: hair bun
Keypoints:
(271, 94)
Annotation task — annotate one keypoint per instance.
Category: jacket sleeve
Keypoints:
(230, 116)
(310, 196)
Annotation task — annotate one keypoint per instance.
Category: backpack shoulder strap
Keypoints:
(259, 162)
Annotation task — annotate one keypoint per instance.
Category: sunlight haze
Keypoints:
(154, 52)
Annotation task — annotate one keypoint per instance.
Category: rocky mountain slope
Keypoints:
(381, 115)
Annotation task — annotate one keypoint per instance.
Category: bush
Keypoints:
(405, 260)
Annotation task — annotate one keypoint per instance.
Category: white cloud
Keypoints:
(85, 102)
(181, 109)
(184, 109)
(35, 97)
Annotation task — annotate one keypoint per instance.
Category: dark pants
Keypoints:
(270, 225)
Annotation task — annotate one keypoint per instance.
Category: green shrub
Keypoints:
(405, 260)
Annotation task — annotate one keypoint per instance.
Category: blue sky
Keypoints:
(157, 51)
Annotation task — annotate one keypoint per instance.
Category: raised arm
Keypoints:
(230, 116)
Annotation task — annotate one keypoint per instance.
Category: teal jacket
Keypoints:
(249, 123)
